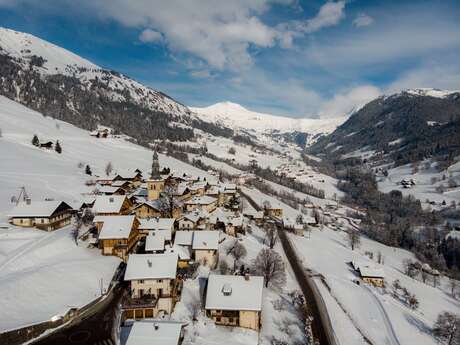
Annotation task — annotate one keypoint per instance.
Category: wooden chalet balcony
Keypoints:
(146, 301)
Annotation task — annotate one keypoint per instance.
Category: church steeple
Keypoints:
(155, 175)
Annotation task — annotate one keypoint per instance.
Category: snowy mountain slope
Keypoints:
(239, 118)
(26, 48)
(404, 127)
(48, 174)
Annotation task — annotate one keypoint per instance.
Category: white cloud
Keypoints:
(202, 74)
(149, 35)
(363, 19)
(329, 14)
(350, 100)
(442, 74)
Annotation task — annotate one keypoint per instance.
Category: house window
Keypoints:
(141, 281)
(42, 220)
(218, 319)
(160, 281)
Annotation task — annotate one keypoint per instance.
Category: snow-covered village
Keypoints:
(261, 186)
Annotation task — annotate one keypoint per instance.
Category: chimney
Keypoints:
(28, 201)
(246, 276)
(156, 326)
(149, 262)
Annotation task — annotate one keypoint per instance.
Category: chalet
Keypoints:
(125, 185)
(118, 235)
(292, 225)
(272, 211)
(231, 223)
(134, 178)
(164, 226)
(192, 221)
(45, 215)
(205, 202)
(182, 192)
(104, 181)
(205, 246)
(226, 193)
(184, 255)
(235, 300)
(370, 274)
(155, 243)
(110, 190)
(198, 188)
(153, 285)
(148, 209)
(154, 332)
(112, 205)
(256, 216)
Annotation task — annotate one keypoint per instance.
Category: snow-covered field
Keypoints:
(377, 314)
(428, 180)
(45, 274)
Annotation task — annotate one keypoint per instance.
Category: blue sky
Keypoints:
(287, 57)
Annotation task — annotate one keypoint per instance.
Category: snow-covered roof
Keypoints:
(154, 332)
(36, 209)
(226, 217)
(115, 226)
(156, 224)
(183, 238)
(201, 200)
(119, 183)
(182, 251)
(205, 239)
(151, 266)
(155, 241)
(228, 292)
(372, 272)
(108, 189)
(108, 203)
(194, 216)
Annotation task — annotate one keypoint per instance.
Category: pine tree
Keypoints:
(88, 170)
(58, 147)
(35, 141)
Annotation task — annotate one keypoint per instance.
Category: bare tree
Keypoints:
(223, 267)
(354, 240)
(238, 251)
(453, 286)
(195, 308)
(76, 228)
(270, 265)
(108, 168)
(271, 235)
(447, 328)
